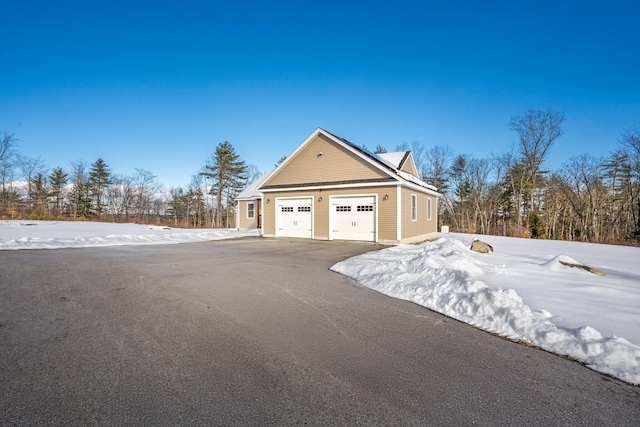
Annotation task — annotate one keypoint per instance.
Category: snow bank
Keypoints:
(61, 234)
(445, 276)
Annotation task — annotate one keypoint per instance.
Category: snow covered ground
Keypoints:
(523, 292)
(520, 291)
(83, 234)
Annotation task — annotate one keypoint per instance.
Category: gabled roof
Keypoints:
(401, 160)
(251, 192)
(388, 164)
(395, 159)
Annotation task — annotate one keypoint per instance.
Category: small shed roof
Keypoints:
(251, 192)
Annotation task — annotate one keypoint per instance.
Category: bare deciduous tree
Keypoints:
(379, 149)
(436, 173)
(7, 141)
(120, 197)
(436, 166)
(145, 187)
(515, 179)
(631, 142)
(583, 191)
(29, 168)
(7, 168)
(537, 131)
(252, 174)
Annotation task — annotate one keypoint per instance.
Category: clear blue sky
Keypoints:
(157, 85)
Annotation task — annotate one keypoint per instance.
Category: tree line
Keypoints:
(30, 190)
(589, 198)
(509, 193)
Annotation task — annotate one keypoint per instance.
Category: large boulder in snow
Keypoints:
(481, 247)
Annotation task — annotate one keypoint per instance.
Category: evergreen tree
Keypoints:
(39, 192)
(227, 172)
(79, 199)
(57, 181)
(536, 226)
(618, 176)
(176, 205)
(462, 190)
(80, 202)
(99, 180)
(195, 198)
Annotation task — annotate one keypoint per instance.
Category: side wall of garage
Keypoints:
(244, 221)
(386, 210)
(423, 225)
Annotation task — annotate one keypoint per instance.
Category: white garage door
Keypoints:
(353, 218)
(293, 217)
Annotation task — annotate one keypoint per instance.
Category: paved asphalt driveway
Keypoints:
(260, 332)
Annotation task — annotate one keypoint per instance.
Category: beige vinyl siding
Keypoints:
(269, 215)
(334, 165)
(432, 224)
(422, 225)
(409, 167)
(386, 219)
(247, 223)
(409, 227)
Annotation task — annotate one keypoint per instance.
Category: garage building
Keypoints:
(331, 189)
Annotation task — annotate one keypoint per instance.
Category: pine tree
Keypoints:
(39, 192)
(618, 175)
(57, 180)
(99, 180)
(176, 205)
(462, 190)
(536, 226)
(79, 200)
(227, 172)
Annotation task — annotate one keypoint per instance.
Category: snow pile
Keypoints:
(60, 234)
(447, 277)
(555, 263)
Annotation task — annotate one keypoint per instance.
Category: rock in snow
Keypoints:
(564, 260)
(584, 267)
(481, 247)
